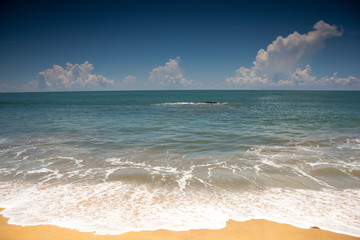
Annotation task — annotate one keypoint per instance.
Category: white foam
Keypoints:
(120, 162)
(180, 103)
(186, 175)
(113, 160)
(192, 103)
(76, 160)
(351, 143)
(116, 208)
(271, 163)
(42, 170)
(302, 173)
(20, 152)
(50, 174)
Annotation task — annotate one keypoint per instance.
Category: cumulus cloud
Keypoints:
(129, 82)
(72, 77)
(129, 79)
(303, 77)
(169, 75)
(280, 64)
(335, 80)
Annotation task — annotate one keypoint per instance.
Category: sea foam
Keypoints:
(116, 208)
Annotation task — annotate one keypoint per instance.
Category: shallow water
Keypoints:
(112, 162)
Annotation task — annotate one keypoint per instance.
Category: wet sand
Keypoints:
(249, 230)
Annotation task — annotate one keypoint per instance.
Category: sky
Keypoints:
(160, 45)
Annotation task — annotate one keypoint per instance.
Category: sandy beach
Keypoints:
(250, 230)
(156, 164)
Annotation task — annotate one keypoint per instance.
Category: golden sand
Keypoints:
(249, 230)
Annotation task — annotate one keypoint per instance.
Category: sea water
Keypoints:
(113, 162)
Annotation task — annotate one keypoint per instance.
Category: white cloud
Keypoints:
(334, 80)
(280, 64)
(72, 77)
(129, 82)
(169, 75)
(31, 85)
(129, 79)
(303, 77)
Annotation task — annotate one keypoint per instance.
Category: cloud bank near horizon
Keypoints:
(80, 77)
(282, 63)
(169, 75)
(72, 77)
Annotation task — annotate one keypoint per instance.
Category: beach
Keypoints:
(148, 163)
(250, 230)
(204, 120)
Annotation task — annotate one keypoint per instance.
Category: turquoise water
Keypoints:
(112, 162)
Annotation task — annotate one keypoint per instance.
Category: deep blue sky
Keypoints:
(207, 41)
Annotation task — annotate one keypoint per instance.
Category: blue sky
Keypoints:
(122, 45)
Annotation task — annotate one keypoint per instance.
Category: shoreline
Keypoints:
(252, 229)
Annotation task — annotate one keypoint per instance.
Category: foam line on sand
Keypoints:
(250, 230)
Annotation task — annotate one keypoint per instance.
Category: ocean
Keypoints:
(114, 162)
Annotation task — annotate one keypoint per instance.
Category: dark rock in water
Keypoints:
(212, 102)
(315, 227)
